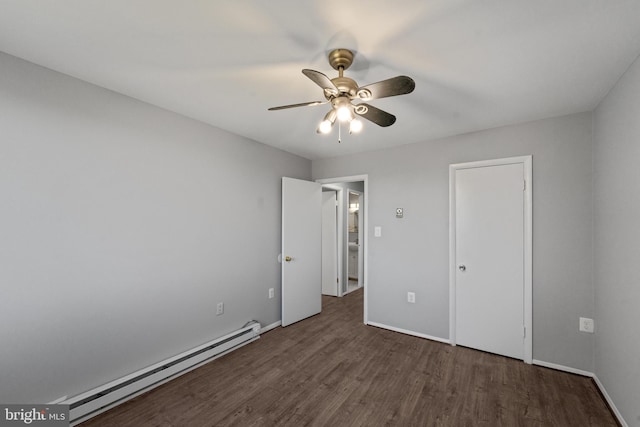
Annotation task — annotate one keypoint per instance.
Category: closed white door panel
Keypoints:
(489, 208)
(301, 250)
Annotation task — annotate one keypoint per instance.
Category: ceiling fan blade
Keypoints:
(321, 80)
(376, 115)
(399, 85)
(303, 104)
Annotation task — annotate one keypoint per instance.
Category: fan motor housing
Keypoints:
(346, 86)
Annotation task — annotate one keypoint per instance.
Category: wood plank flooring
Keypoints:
(332, 370)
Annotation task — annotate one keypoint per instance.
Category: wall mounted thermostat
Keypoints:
(399, 212)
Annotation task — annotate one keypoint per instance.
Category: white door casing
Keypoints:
(301, 250)
(355, 258)
(361, 237)
(490, 256)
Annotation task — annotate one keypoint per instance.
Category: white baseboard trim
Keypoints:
(563, 368)
(407, 332)
(600, 386)
(617, 413)
(271, 326)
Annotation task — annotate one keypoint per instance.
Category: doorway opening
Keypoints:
(351, 241)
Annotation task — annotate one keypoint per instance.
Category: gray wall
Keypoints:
(412, 254)
(121, 226)
(617, 243)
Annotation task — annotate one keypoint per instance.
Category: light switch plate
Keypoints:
(586, 325)
(377, 231)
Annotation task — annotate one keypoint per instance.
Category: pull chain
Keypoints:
(339, 133)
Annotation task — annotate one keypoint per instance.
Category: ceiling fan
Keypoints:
(341, 91)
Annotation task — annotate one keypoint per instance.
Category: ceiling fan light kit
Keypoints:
(341, 91)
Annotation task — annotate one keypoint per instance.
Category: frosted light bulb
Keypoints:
(344, 114)
(325, 126)
(355, 126)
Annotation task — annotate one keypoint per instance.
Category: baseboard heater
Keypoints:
(100, 399)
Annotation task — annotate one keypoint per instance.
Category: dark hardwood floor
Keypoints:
(332, 370)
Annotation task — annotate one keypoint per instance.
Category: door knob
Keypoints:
(288, 258)
(462, 267)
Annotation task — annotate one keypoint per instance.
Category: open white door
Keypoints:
(301, 249)
(329, 244)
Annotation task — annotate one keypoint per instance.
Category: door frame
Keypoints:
(365, 179)
(526, 161)
(360, 238)
(359, 265)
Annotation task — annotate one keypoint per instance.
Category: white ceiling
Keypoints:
(477, 64)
